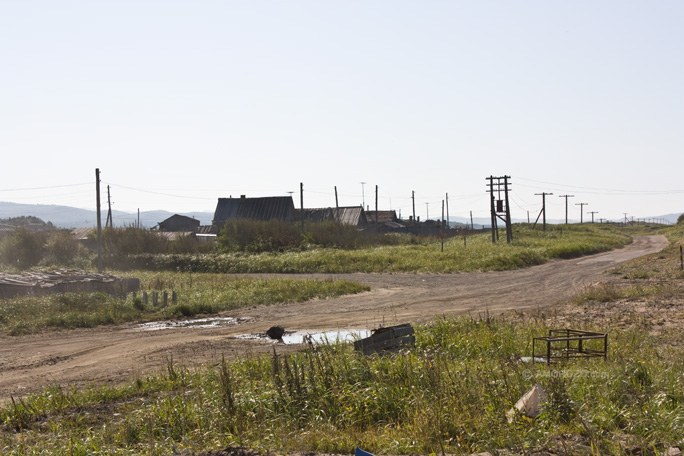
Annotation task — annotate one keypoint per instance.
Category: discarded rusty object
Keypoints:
(64, 281)
(571, 343)
(389, 339)
(276, 332)
(529, 405)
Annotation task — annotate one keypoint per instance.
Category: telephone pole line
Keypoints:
(543, 210)
(581, 210)
(566, 205)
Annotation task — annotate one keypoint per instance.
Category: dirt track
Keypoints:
(120, 353)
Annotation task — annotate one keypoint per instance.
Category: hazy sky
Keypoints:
(179, 103)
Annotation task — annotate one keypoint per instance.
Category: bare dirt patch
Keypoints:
(122, 353)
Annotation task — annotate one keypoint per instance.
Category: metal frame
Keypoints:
(569, 343)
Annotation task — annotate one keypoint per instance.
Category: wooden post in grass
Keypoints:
(681, 258)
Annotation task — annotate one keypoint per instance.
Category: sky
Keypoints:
(180, 102)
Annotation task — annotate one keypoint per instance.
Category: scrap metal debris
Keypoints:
(64, 281)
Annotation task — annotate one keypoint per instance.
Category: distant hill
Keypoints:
(71, 217)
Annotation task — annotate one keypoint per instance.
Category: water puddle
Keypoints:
(198, 323)
(300, 337)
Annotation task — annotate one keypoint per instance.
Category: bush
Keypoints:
(255, 236)
(23, 248)
(680, 219)
(62, 249)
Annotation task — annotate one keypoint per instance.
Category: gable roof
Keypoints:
(265, 208)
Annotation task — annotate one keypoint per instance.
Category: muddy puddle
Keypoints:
(300, 337)
(198, 323)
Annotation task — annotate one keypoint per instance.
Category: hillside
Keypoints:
(71, 217)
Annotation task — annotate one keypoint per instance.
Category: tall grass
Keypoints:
(197, 294)
(529, 247)
(448, 394)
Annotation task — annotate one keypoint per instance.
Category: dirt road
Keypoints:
(116, 354)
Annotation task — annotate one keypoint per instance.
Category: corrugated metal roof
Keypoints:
(265, 208)
(354, 215)
(81, 234)
(175, 235)
(207, 229)
(383, 216)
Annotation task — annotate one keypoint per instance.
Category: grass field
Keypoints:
(474, 253)
(448, 394)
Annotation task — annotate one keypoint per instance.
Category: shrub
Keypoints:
(23, 248)
(258, 236)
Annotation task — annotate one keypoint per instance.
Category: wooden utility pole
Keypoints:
(376, 204)
(581, 205)
(413, 199)
(109, 223)
(447, 209)
(99, 220)
(566, 205)
(301, 202)
(427, 212)
(500, 206)
(509, 225)
(442, 214)
(492, 209)
(472, 227)
(337, 207)
(543, 210)
(592, 215)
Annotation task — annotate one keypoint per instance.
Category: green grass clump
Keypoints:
(475, 253)
(448, 394)
(197, 294)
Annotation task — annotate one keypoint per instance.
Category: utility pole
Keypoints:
(109, 222)
(337, 207)
(500, 206)
(442, 214)
(427, 212)
(472, 227)
(509, 225)
(566, 205)
(543, 210)
(376, 204)
(99, 220)
(413, 199)
(301, 202)
(363, 195)
(625, 218)
(592, 215)
(447, 209)
(581, 205)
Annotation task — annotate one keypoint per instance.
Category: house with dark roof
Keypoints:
(177, 223)
(262, 208)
